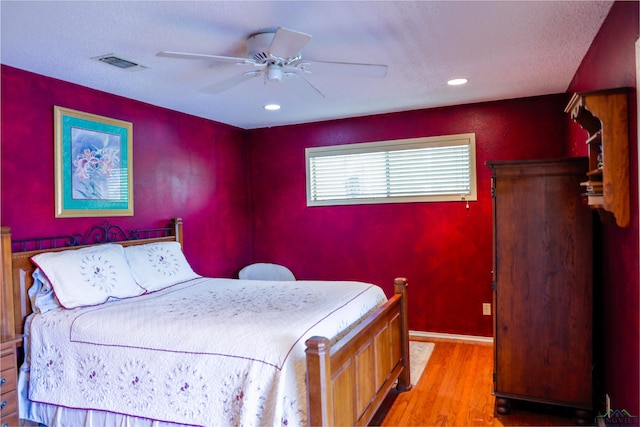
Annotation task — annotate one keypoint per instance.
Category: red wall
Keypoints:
(444, 249)
(183, 166)
(196, 169)
(610, 63)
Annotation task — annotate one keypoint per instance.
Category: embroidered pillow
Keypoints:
(88, 276)
(158, 265)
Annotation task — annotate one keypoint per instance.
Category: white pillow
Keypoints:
(88, 276)
(158, 265)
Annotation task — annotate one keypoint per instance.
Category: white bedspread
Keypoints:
(205, 352)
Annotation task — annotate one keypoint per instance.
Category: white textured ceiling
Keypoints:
(507, 49)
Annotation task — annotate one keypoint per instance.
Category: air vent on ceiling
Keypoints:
(121, 63)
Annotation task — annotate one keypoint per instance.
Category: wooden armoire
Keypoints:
(543, 280)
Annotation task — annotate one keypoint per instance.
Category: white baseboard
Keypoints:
(458, 337)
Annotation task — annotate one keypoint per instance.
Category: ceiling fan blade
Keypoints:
(302, 86)
(344, 68)
(202, 56)
(229, 83)
(287, 44)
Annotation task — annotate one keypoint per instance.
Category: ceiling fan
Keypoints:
(276, 57)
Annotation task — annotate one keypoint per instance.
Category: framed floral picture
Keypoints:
(93, 165)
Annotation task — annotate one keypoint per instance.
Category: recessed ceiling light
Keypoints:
(272, 107)
(457, 82)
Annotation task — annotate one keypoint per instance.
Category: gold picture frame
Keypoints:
(93, 165)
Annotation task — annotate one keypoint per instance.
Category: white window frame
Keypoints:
(468, 139)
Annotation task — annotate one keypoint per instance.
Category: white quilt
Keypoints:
(205, 352)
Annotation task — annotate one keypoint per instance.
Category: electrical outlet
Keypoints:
(486, 309)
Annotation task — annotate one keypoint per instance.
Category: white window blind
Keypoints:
(420, 169)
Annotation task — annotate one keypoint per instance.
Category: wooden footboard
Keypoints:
(348, 381)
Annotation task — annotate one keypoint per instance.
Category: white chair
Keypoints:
(266, 271)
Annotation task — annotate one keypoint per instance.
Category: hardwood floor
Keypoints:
(455, 390)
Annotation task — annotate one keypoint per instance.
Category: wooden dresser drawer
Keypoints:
(8, 383)
(10, 420)
(8, 405)
(8, 377)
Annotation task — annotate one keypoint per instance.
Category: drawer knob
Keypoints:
(2, 381)
(5, 425)
(3, 404)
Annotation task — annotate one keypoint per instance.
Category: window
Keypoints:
(433, 169)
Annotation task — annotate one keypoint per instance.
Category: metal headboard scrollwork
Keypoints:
(103, 233)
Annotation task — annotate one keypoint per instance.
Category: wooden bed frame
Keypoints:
(347, 381)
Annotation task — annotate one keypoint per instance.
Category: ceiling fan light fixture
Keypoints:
(272, 107)
(457, 82)
(275, 73)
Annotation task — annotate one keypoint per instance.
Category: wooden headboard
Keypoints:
(17, 267)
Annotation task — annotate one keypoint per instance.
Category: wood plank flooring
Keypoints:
(455, 390)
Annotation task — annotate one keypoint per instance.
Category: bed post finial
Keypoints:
(6, 288)
(319, 401)
(404, 381)
(176, 224)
